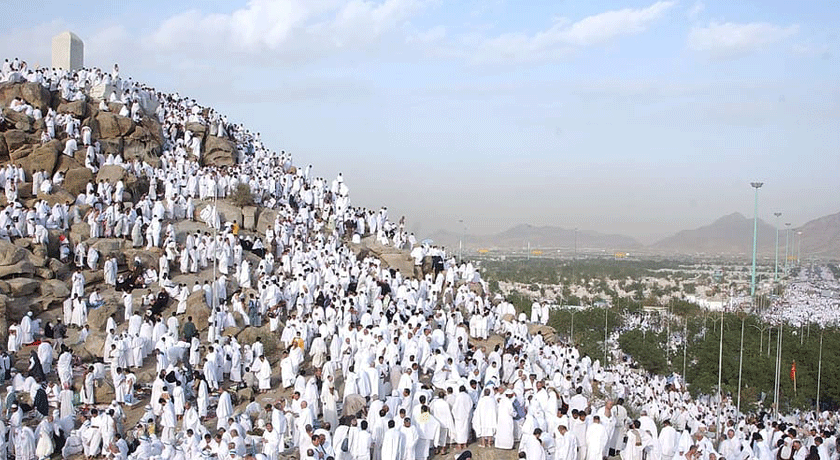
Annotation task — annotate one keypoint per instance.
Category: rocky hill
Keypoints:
(729, 235)
(821, 237)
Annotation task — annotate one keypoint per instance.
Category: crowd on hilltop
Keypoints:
(372, 363)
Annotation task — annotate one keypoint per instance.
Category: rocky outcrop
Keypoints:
(33, 93)
(199, 310)
(218, 152)
(227, 211)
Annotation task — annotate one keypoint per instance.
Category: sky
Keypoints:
(635, 117)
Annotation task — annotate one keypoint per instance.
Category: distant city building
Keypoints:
(68, 51)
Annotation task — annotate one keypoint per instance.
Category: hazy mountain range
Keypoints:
(728, 235)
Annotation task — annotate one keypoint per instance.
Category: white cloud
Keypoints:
(729, 40)
(565, 36)
(435, 34)
(696, 9)
(285, 27)
(32, 44)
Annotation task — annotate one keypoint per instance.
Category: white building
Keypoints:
(68, 51)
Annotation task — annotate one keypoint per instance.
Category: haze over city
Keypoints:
(636, 117)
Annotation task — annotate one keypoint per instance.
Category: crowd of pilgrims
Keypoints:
(373, 363)
(812, 298)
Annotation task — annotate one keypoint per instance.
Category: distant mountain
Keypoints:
(729, 235)
(821, 237)
(546, 237)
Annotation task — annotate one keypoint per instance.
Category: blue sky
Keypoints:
(636, 117)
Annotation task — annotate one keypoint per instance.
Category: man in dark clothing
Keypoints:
(189, 329)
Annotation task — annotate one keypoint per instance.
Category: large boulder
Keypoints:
(218, 152)
(227, 211)
(19, 120)
(147, 151)
(112, 125)
(15, 139)
(11, 254)
(4, 149)
(43, 157)
(93, 346)
(58, 196)
(265, 220)
(198, 129)
(21, 267)
(112, 146)
(549, 333)
(75, 180)
(270, 340)
(199, 310)
(111, 173)
(80, 231)
(33, 93)
(78, 109)
(22, 287)
(109, 247)
(98, 317)
(55, 288)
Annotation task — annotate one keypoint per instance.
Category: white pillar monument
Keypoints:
(68, 51)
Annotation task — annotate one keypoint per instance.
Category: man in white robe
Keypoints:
(393, 443)
(264, 375)
(504, 421)
(596, 439)
(461, 413)
(484, 419)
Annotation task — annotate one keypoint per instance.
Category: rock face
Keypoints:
(33, 93)
(75, 180)
(98, 317)
(22, 287)
(218, 152)
(199, 310)
(390, 257)
(20, 138)
(227, 211)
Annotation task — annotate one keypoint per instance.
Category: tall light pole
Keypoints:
(778, 370)
(798, 247)
(787, 245)
(776, 270)
(756, 186)
(740, 362)
(819, 370)
(720, 371)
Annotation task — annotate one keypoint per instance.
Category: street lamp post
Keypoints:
(720, 370)
(819, 371)
(740, 362)
(776, 270)
(787, 245)
(756, 186)
(798, 247)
